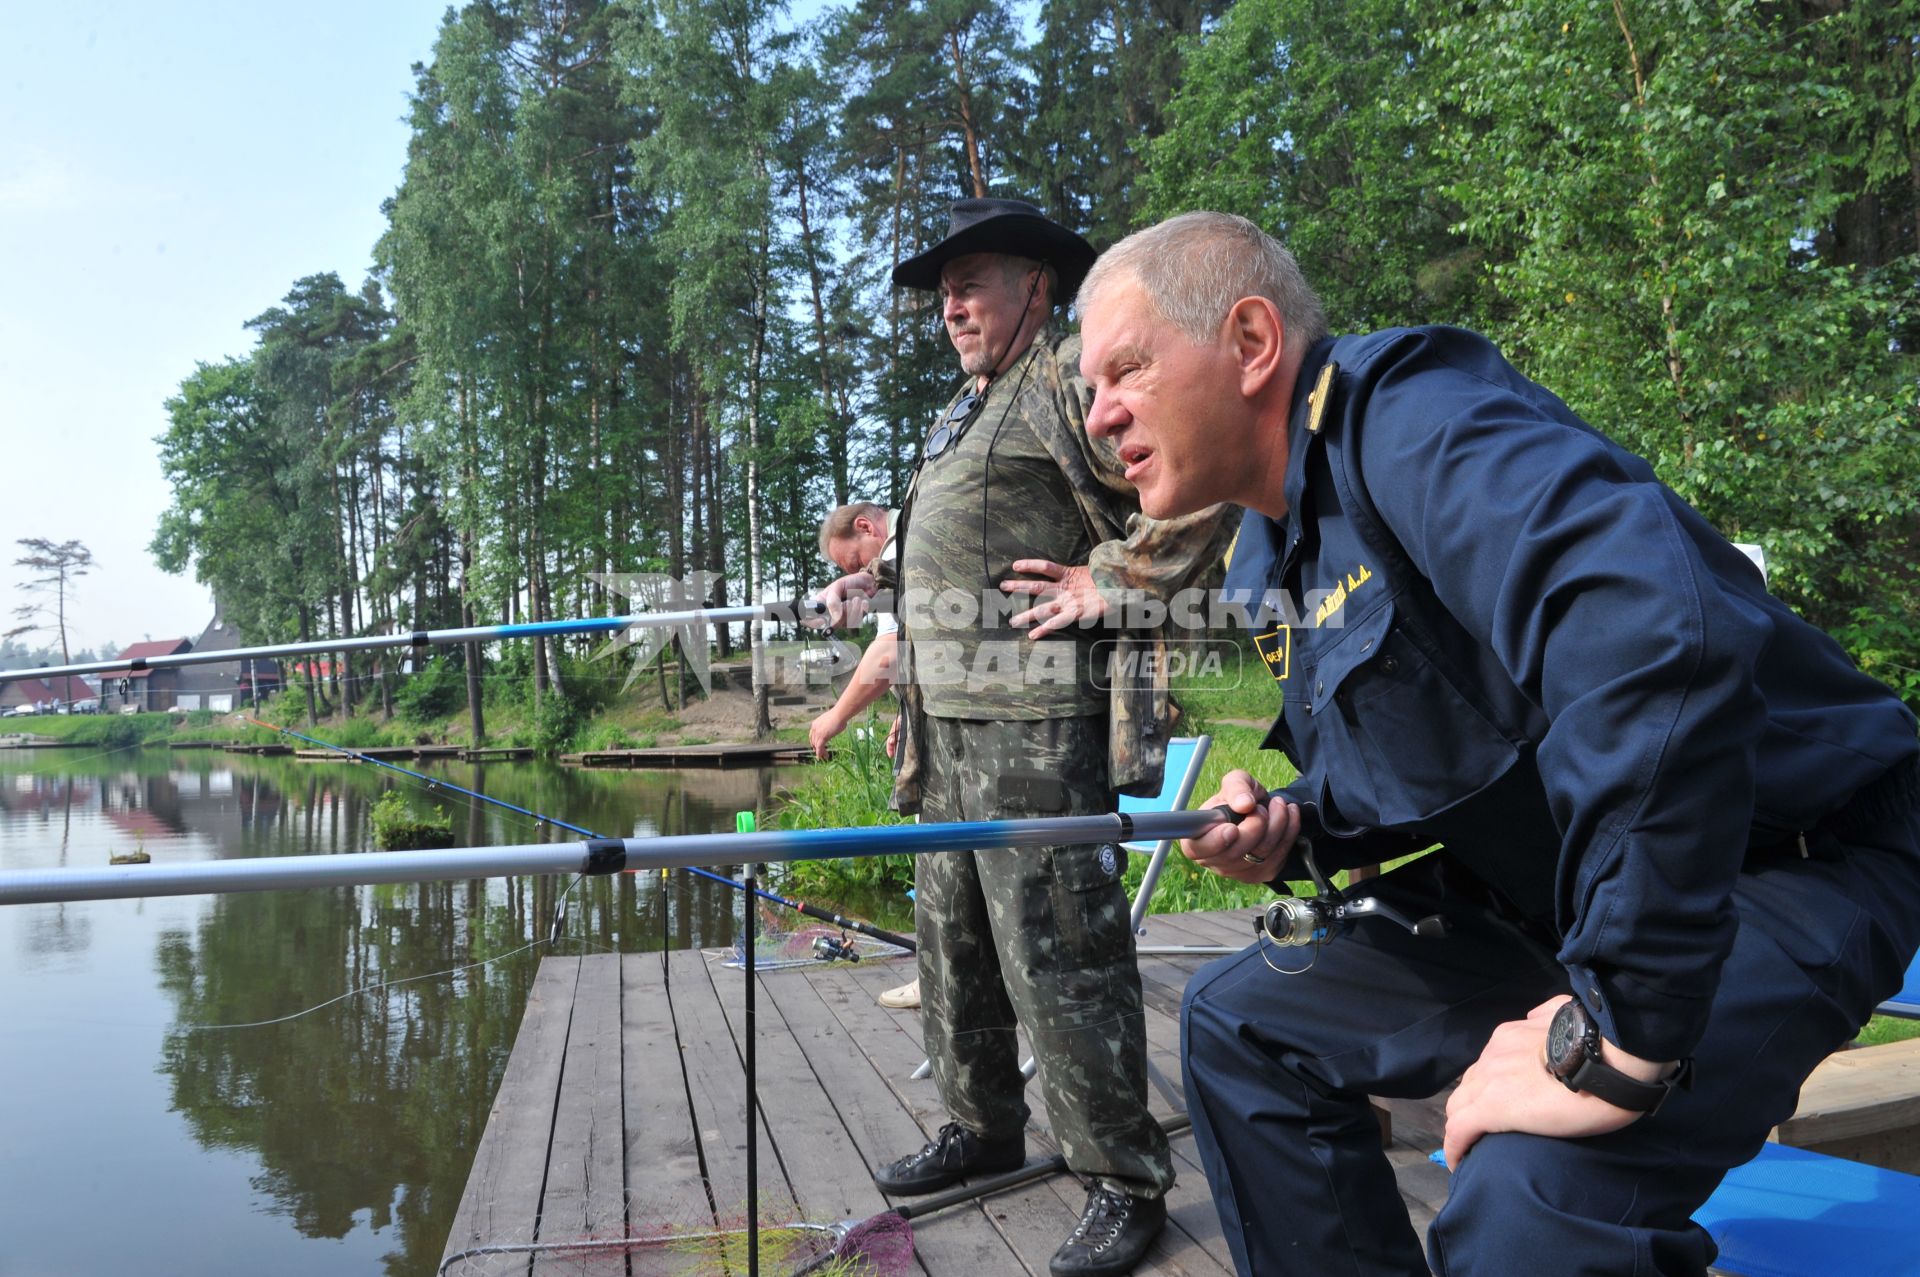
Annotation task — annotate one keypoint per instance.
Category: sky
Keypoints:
(166, 172)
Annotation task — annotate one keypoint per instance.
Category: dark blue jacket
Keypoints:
(1505, 634)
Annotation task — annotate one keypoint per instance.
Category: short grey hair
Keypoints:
(839, 525)
(1194, 267)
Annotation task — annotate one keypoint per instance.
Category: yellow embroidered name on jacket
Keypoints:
(1332, 604)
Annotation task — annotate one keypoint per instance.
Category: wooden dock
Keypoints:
(748, 755)
(496, 754)
(378, 752)
(622, 1106)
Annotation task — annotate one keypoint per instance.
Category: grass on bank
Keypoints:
(854, 789)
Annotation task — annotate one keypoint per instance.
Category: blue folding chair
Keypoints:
(1186, 755)
(1906, 1003)
(1791, 1212)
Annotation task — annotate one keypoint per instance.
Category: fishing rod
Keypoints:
(595, 856)
(797, 610)
(801, 906)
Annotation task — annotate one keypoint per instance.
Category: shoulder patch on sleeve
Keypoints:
(1320, 397)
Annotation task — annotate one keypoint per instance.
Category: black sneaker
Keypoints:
(1113, 1233)
(952, 1155)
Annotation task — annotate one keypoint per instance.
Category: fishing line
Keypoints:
(561, 906)
(383, 984)
(433, 782)
(553, 936)
(69, 760)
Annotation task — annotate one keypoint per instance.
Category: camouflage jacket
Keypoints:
(1134, 558)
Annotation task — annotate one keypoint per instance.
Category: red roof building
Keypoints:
(146, 651)
(143, 689)
(67, 689)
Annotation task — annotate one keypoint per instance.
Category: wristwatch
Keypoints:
(1573, 1056)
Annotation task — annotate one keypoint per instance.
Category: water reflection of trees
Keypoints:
(376, 1104)
(372, 1104)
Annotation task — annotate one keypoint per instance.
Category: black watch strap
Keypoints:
(1599, 1079)
(1573, 1056)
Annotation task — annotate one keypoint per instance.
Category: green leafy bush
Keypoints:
(398, 827)
(555, 723)
(355, 733)
(438, 689)
(603, 736)
(853, 788)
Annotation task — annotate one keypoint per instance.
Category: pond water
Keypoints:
(140, 1131)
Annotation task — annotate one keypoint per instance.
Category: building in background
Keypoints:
(64, 693)
(226, 685)
(143, 689)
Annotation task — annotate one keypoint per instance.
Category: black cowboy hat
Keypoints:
(1014, 227)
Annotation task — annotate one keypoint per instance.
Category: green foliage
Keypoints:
(604, 736)
(398, 827)
(1294, 114)
(1099, 82)
(555, 723)
(355, 733)
(1885, 1028)
(433, 692)
(1238, 692)
(1694, 223)
(114, 731)
(853, 788)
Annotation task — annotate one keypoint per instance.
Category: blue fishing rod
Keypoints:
(435, 782)
(800, 610)
(592, 856)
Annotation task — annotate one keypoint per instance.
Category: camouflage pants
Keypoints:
(1037, 935)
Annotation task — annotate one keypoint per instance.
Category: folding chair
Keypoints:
(1791, 1212)
(1906, 1003)
(1185, 757)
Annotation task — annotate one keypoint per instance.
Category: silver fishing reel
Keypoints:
(1298, 922)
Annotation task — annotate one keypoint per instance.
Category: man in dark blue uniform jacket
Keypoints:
(1680, 854)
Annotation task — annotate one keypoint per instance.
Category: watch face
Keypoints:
(1564, 1036)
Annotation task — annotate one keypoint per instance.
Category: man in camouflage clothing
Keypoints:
(1019, 535)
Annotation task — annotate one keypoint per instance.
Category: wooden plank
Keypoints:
(812, 1144)
(665, 1182)
(1218, 926)
(586, 1191)
(877, 1125)
(716, 1084)
(1030, 1220)
(692, 756)
(1039, 1223)
(1860, 1092)
(1190, 1207)
(502, 1199)
(816, 1092)
(836, 1100)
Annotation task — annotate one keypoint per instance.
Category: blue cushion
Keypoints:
(1795, 1213)
(1906, 1003)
